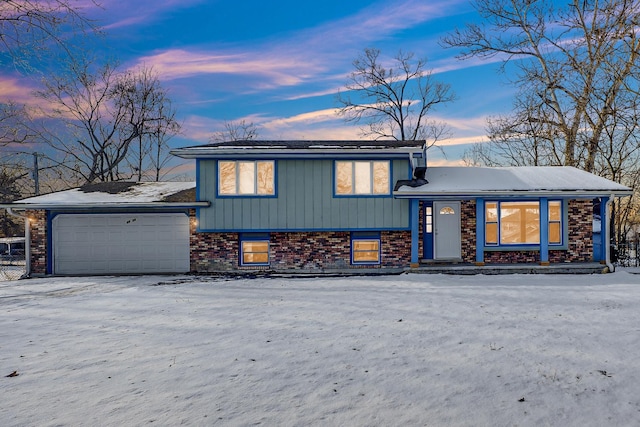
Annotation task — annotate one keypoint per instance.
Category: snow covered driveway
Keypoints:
(367, 351)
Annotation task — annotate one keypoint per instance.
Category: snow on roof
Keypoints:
(451, 180)
(299, 148)
(111, 193)
(310, 144)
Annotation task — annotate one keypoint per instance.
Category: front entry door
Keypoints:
(447, 230)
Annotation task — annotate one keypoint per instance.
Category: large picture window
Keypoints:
(362, 178)
(518, 223)
(246, 178)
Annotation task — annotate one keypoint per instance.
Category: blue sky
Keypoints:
(281, 63)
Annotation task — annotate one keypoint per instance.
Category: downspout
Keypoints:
(27, 241)
(607, 237)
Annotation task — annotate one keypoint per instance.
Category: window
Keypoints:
(254, 249)
(365, 248)
(518, 223)
(447, 210)
(428, 219)
(362, 177)
(246, 178)
(555, 223)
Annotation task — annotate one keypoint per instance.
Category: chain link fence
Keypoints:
(11, 267)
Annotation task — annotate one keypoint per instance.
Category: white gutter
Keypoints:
(607, 237)
(27, 241)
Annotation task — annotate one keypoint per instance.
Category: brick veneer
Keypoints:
(317, 251)
(297, 251)
(38, 241)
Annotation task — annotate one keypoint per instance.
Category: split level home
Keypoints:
(323, 206)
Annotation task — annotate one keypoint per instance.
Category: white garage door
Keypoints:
(120, 243)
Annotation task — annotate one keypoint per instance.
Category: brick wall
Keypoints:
(299, 251)
(468, 231)
(38, 241)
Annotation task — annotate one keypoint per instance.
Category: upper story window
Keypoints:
(246, 178)
(362, 178)
(518, 223)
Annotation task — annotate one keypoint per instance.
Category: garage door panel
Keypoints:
(120, 243)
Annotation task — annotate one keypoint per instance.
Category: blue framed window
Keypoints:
(246, 178)
(518, 223)
(255, 249)
(362, 178)
(365, 248)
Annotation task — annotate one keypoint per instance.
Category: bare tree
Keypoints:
(104, 112)
(393, 102)
(577, 67)
(29, 28)
(9, 191)
(236, 131)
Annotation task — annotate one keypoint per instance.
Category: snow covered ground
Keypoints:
(526, 350)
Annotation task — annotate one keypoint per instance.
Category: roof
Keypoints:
(451, 181)
(116, 194)
(300, 148)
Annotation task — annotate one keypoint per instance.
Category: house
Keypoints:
(323, 206)
(335, 205)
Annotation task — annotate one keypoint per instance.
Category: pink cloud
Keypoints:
(304, 55)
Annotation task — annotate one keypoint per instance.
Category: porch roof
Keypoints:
(524, 181)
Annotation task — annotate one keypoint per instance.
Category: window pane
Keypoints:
(365, 245)
(447, 210)
(371, 256)
(362, 173)
(266, 178)
(554, 211)
(344, 175)
(247, 178)
(519, 222)
(554, 233)
(255, 258)
(491, 212)
(491, 233)
(381, 177)
(227, 177)
(255, 246)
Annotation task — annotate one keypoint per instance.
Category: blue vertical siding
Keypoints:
(305, 201)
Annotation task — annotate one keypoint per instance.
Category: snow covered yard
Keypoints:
(402, 350)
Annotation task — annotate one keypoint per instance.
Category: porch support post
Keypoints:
(604, 222)
(480, 231)
(414, 219)
(544, 231)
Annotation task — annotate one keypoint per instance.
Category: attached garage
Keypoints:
(117, 243)
(110, 228)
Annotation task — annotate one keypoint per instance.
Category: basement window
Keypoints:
(365, 248)
(254, 249)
